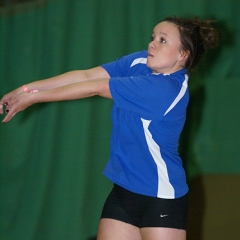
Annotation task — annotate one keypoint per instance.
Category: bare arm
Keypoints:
(68, 78)
(58, 81)
(71, 91)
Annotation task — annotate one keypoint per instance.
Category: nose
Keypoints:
(151, 44)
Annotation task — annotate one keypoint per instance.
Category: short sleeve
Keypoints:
(149, 96)
(121, 67)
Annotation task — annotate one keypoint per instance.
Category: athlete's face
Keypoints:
(164, 51)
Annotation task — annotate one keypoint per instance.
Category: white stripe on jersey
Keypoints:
(180, 94)
(139, 60)
(165, 189)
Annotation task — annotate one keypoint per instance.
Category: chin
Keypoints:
(148, 64)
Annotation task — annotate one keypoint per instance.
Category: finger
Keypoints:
(2, 104)
(10, 112)
(8, 117)
(1, 108)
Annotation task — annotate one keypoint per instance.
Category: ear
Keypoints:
(184, 55)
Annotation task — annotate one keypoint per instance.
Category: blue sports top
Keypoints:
(148, 115)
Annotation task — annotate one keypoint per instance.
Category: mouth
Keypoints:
(150, 55)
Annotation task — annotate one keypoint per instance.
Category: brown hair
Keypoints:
(196, 36)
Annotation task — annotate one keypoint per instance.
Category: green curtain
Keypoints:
(52, 155)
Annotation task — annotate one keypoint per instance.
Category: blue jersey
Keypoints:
(148, 115)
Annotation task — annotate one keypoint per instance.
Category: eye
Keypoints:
(152, 38)
(162, 40)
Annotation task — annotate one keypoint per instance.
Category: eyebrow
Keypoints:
(162, 33)
(165, 34)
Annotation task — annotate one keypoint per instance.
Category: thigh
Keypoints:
(111, 229)
(157, 233)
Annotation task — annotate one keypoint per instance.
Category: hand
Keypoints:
(18, 103)
(6, 98)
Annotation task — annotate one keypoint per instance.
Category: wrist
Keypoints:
(34, 98)
(25, 89)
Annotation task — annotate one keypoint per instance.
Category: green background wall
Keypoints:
(52, 155)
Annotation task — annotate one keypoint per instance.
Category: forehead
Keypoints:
(167, 28)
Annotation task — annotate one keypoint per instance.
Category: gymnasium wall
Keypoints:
(52, 154)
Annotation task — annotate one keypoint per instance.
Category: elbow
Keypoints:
(104, 89)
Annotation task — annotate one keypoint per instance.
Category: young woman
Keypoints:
(150, 94)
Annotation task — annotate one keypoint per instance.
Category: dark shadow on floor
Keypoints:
(196, 209)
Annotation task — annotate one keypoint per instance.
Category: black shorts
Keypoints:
(144, 211)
